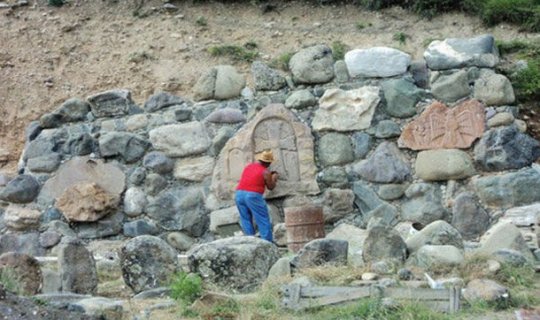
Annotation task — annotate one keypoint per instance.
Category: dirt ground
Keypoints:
(50, 54)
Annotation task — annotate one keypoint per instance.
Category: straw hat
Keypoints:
(265, 156)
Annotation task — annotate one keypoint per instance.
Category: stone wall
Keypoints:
(376, 139)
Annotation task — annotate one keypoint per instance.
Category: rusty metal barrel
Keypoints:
(303, 224)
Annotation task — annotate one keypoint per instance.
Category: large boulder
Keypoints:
(424, 204)
(86, 202)
(335, 149)
(180, 140)
(77, 267)
(21, 218)
(22, 189)
(469, 217)
(346, 110)
(337, 204)
(147, 262)
(493, 89)
(430, 256)
(161, 100)
(450, 87)
(436, 233)
(444, 164)
(401, 97)
(485, 290)
(377, 62)
(240, 263)
(112, 103)
(312, 65)
(506, 148)
(451, 53)
(320, 252)
(194, 169)
(504, 235)
(128, 146)
(355, 237)
(25, 268)
(220, 82)
(383, 243)
(386, 164)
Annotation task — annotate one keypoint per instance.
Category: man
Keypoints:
(249, 195)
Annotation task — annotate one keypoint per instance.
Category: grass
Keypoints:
(339, 49)
(11, 281)
(400, 37)
(333, 275)
(237, 53)
(186, 287)
(201, 21)
(282, 62)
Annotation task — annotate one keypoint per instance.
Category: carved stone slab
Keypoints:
(440, 127)
(275, 128)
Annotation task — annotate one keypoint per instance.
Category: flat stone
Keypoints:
(337, 204)
(429, 256)
(401, 97)
(99, 307)
(226, 115)
(180, 140)
(436, 233)
(444, 164)
(27, 243)
(455, 128)
(349, 110)
(20, 218)
(469, 217)
(194, 169)
(384, 243)
(387, 164)
(224, 217)
(111, 103)
(335, 149)
(450, 87)
(378, 62)
(504, 235)
(161, 100)
(501, 119)
(77, 268)
(47, 163)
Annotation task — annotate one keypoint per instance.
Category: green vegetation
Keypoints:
(245, 53)
(339, 49)
(56, 3)
(10, 280)
(282, 62)
(400, 37)
(186, 287)
(201, 21)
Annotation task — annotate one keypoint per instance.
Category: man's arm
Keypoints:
(270, 179)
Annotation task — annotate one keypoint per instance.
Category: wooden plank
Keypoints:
(439, 306)
(292, 296)
(361, 292)
(455, 297)
(315, 292)
(417, 293)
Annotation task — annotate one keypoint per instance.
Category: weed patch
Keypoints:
(339, 49)
(10, 280)
(186, 287)
(235, 52)
(282, 62)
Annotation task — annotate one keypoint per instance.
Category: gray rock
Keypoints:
(450, 87)
(462, 52)
(48, 141)
(19, 218)
(365, 198)
(108, 226)
(161, 292)
(486, 290)
(182, 114)
(376, 62)
(130, 147)
(137, 176)
(401, 97)
(468, 216)
(147, 262)
(337, 204)
(140, 227)
(220, 139)
(61, 228)
(437, 256)
(386, 164)
(391, 191)
(504, 235)
(510, 257)
(493, 89)
(420, 73)
(240, 263)
(443, 164)
(226, 115)
(384, 215)
(312, 65)
(506, 148)
(265, 77)
(501, 119)
(405, 274)
(180, 140)
(387, 129)
(180, 209)
(341, 72)
(27, 243)
(161, 100)
(335, 149)
(134, 202)
(509, 190)
(73, 110)
(384, 243)
(99, 307)
(51, 214)
(436, 233)
(362, 143)
(49, 239)
(158, 162)
(180, 241)
(112, 103)
(47, 163)
(220, 82)
(280, 269)
(301, 99)
(50, 120)
(77, 268)
(80, 143)
(26, 271)
(154, 184)
(22, 189)
(320, 252)
(355, 237)
(51, 281)
(60, 300)
(32, 130)
(335, 177)
(424, 205)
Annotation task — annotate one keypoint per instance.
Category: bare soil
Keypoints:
(50, 54)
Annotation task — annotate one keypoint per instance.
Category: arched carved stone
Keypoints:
(440, 127)
(275, 128)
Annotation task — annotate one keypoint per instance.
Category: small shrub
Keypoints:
(282, 62)
(380, 4)
(235, 52)
(10, 280)
(56, 3)
(522, 12)
(527, 81)
(186, 287)
(516, 276)
(201, 21)
(431, 8)
(359, 25)
(400, 37)
(338, 50)
(229, 309)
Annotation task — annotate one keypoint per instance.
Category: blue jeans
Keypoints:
(251, 205)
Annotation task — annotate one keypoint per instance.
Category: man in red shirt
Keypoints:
(249, 195)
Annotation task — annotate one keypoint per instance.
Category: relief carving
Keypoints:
(440, 127)
(275, 128)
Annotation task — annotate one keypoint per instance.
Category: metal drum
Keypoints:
(303, 224)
